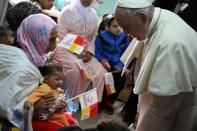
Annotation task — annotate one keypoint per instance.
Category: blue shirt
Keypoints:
(111, 47)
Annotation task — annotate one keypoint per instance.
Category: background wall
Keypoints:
(3, 8)
(106, 6)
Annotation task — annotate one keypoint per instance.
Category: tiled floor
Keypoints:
(88, 123)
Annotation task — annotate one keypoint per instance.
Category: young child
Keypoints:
(110, 44)
(53, 78)
(6, 36)
(102, 125)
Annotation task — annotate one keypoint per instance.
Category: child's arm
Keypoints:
(98, 48)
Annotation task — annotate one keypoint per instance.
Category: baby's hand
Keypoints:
(27, 105)
(63, 103)
(61, 91)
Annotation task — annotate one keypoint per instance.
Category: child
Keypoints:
(111, 125)
(110, 45)
(102, 125)
(53, 78)
(6, 36)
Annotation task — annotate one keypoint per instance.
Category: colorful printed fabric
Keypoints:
(19, 12)
(33, 36)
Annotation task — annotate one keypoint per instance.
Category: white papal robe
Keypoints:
(168, 75)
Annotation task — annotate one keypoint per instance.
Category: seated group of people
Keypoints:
(35, 84)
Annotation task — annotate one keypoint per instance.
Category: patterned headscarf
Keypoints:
(19, 12)
(33, 36)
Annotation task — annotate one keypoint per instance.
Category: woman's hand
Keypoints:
(44, 103)
(85, 56)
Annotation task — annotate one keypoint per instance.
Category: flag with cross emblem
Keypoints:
(89, 104)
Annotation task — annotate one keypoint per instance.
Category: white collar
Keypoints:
(154, 21)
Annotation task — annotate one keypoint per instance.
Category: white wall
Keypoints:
(3, 8)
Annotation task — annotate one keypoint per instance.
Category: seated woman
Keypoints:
(18, 73)
(79, 18)
(37, 36)
(16, 14)
(110, 45)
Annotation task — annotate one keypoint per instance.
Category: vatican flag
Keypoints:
(89, 104)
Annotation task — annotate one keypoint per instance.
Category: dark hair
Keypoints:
(70, 128)
(51, 68)
(16, 14)
(35, 1)
(110, 18)
(111, 125)
(102, 25)
(4, 31)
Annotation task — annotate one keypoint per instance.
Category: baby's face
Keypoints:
(55, 80)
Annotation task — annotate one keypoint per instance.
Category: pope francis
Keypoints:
(167, 56)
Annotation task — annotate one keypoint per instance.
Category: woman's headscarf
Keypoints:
(19, 12)
(85, 11)
(33, 36)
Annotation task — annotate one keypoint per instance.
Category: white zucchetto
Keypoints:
(134, 3)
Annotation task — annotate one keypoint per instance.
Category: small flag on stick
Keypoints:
(89, 104)
(109, 83)
(83, 70)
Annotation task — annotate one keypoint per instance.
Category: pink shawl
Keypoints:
(33, 36)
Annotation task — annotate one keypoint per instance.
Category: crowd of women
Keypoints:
(28, 80)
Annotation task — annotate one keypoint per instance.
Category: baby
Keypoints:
(53, 78)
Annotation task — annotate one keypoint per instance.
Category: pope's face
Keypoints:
(134, 25)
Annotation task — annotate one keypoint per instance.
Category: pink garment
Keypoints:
(33, 36)
(78, 20)
(73, 79)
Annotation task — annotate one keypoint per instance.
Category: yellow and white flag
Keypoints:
(89, 104)
(109, 83)
(74, 43)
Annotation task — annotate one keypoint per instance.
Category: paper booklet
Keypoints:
(129, 54)
(74, 43)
